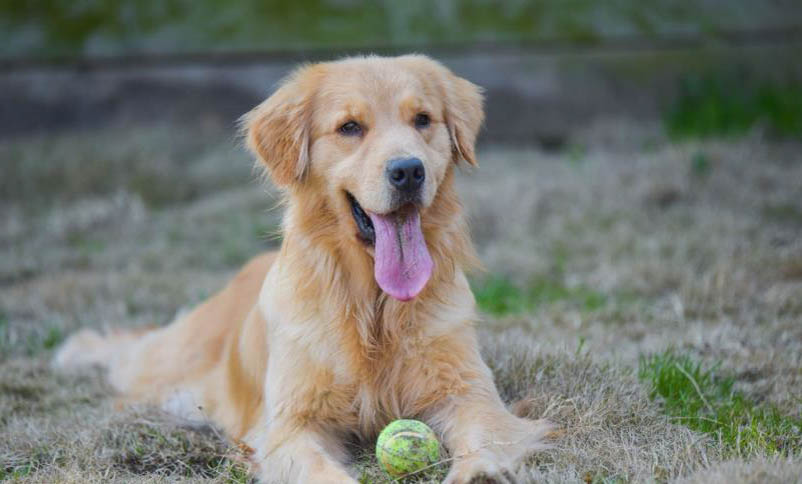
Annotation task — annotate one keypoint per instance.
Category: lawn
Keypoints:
(643, 292)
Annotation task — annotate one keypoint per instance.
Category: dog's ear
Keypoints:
(464, 116)
(277, 131)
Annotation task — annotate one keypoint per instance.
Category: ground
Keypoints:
(643, 294)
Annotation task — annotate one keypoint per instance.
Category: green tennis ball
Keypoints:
(406, 446)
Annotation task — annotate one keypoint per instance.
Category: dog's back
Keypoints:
(189, 366)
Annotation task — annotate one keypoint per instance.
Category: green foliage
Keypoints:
(499, 296)
(16, 472)
(726, 106)
(53, 338)
(42, 339)
(787, 213)
(66, 27)
(181, 25)
(29, 341)
(706, 402)
(700, 165)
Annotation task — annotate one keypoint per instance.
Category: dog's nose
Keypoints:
(406, 174)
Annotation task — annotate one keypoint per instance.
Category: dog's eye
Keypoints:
(422, 120)
(351, 128)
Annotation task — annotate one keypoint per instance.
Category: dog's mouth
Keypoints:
(402, 264)
(365, 231)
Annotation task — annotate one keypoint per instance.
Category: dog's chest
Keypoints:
(402, 384)
(397, 366)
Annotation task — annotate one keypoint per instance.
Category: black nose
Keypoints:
(406, 174)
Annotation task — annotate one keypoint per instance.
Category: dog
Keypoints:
(364, 315)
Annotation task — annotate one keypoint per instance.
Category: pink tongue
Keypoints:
(402, 263)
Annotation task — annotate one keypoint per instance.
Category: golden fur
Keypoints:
(302, 350)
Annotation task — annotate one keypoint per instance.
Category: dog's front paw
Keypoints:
(479, 470)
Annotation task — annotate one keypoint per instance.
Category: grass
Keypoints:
(700, 165)
(784, 212)
(43, 170)
(577, 255)
(710, 106)
(369, 472)
(145, 443)
(498, 296)
(31, 341)
(706, 401)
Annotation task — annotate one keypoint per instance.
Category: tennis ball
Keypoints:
(406, 446)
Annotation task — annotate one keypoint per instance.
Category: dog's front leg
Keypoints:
(300, 455)
(486, 441)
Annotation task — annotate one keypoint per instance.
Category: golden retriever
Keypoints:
(365, 314)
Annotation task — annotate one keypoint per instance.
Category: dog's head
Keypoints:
(372, 139)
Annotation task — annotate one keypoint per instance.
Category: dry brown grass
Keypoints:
(705, 262)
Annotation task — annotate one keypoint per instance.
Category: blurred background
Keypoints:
(639, 193)
(550, 68)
